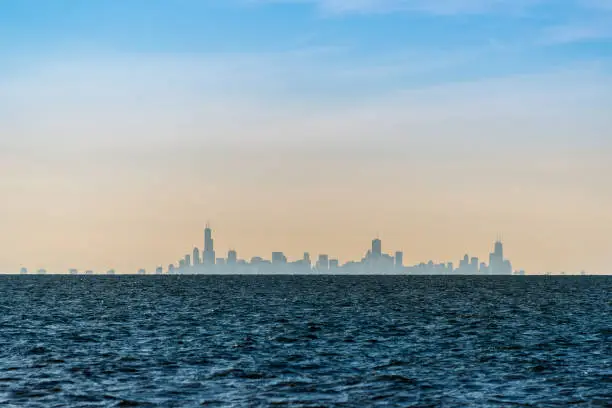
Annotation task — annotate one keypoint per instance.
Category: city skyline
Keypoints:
(374, 261)
(206, 255)
(126, 125)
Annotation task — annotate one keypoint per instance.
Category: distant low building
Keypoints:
(232, 257)
(323, 263)
(278, 258)
(196, 256)
(399, 260)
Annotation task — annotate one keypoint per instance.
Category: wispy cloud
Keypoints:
(577, 32)
(127, 101)
(443, 7)
(436, 7)
(598, 4)
(595, 17)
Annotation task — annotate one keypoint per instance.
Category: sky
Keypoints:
(305, 125)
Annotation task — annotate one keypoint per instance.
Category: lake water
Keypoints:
(346, 341)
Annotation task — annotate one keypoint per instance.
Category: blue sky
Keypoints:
(313, 55)
(503, 36)
(248, 109)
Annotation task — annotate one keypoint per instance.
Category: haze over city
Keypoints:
(305, 126)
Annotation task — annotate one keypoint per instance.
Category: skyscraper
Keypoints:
(196, 256)
(497, 264)
(376, 248)
(399, 259)
(323, 263)
(209, 247)
(232, 257)
(464, 263)
(474, 265)
(279, 258)
(499, 250)
(306, 259)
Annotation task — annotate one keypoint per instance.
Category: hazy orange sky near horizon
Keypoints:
(127, 214)
(116, 150)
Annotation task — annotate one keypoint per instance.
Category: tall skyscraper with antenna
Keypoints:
(209, 247)
(497, 264)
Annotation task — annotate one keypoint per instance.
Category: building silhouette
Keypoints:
(376, 248)
(278, 258)
(497, 264)
(196, 256)
(474, 265)
(209, 248)
(232, 257)
(323, 263)
(399, 259)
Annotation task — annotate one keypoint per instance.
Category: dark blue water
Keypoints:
(305, 341)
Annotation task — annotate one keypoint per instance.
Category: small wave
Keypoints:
(37, 350)
(395, 378)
